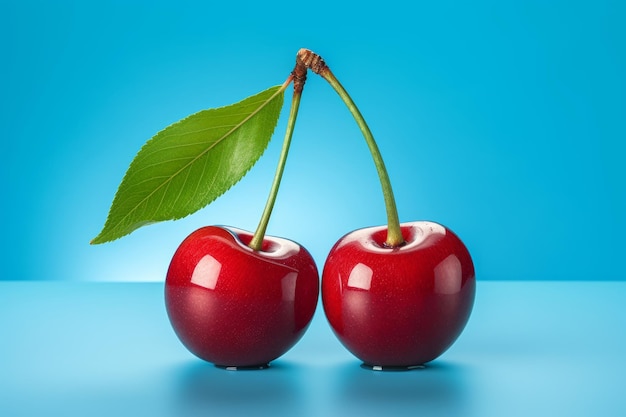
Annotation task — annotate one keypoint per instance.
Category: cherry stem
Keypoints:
(257, 240)
(314, 62)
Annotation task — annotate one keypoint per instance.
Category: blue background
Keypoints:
(502, 120)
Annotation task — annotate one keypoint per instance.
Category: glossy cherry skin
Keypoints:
(236, 307)
(398, 307)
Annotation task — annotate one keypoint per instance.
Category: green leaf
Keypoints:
(192, 162)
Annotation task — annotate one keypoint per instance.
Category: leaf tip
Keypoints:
(97, 240)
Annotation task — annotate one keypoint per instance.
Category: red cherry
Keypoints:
(236, 307)
(398, 307)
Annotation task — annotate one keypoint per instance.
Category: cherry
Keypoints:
(237, 307)
(402, 306)
(238, 299)
(397, 295)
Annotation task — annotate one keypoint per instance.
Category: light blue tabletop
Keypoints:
(107, 349)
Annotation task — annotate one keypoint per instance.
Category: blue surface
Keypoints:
(106, 349)
(501, 120)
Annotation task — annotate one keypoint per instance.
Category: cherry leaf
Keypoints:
(192, 162)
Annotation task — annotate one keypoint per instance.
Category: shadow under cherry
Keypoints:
(440, 388)
(204, 389)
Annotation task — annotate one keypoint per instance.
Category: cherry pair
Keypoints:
(396, 295)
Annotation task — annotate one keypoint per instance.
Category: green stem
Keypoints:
(257, 240)
(394, 234)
